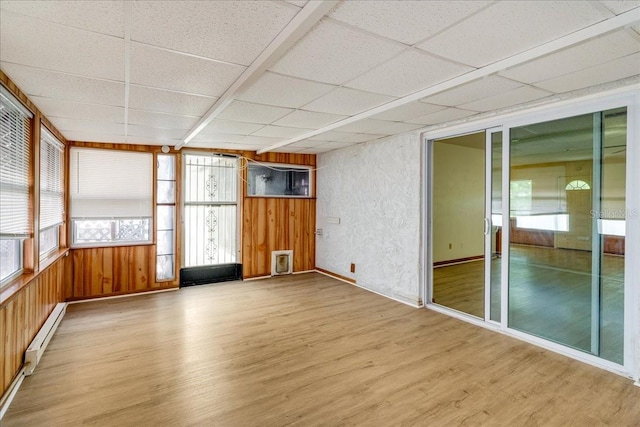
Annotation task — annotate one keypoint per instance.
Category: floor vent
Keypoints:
(281, 262)
(39, 344)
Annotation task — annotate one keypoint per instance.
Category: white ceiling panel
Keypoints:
(307, 143)
(164, 101)
(333, 53)
(332, 145)
(225, 146)
(104, 17)
(362, 126)
(407, 73)
(213, 138)
(49, 84)
(347, 102)
(442, 116)
(619, 7)
(506, 99)
(405, 21)
(473, 91)
(283, 91)
(299, 3)
(280, 132)
(614, 70)
(153, 132)
(362, 137)
(332, 135)
(253, 113)
(308, 119)
(42, 44)
(89, 126)
(168, 70)
(506, 28)
(151, 140)
(287, 149)
(94, 136)
(233, 31)
(408, 111)
(161, 120)
(78, 110)
(261, 141)
(392, 128)
(594, 52)
(232, 127)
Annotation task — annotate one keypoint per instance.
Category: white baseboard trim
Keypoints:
(11, 393)
(405, 302)
(133, 294)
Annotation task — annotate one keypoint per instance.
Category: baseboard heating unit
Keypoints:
(33, 354)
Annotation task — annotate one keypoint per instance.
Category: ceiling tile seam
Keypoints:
(179, 92)
(600, 28)
(141, 110)
(58, 24)
(126, 15)
(442, 58)
(191, 55)
(83, 119)
(365, 32)
(65, 73)
(297, 28)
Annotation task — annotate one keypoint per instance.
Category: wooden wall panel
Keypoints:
(23, 314)
(117, 270)
(272, 224)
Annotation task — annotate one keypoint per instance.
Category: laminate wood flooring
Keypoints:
(302, 350)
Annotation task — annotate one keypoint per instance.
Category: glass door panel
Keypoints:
(458, 222)
(494, 266)
(566, 245)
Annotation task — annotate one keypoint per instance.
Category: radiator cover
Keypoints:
(203, 275)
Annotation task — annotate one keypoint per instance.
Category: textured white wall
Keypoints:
(375, 191)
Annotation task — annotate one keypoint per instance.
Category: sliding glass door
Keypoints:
(567, 231)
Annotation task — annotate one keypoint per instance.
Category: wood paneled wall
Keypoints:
(25, 312)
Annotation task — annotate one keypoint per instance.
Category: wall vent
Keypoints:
(281, 262)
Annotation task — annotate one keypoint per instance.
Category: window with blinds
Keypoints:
(15, 209)
(111, 194)
(51, 191)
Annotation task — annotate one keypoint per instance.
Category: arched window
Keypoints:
(577, 184)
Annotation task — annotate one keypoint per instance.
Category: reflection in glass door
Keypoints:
(567, 231)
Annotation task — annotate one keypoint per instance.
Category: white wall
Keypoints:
(375, 191)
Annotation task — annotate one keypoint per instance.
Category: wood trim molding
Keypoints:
(336, 275)
(457, 260)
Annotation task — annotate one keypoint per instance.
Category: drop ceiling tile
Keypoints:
(614, 70)
(233, 31)
(308, 119)
(88, 136)
(49, 84)
(88, 126)
(152, 140)
(227, 146)
(408, 111)
(362, 126)
(261, 141)
(407, 73)
(37, 43)
(347, 102)
(280, 132)
(104, 17)
(507, 28)
(253, 113)
(407, 22)
(333, 53)
(619, 7)
(392, 128)
(232, 127)
(307, 143)
(361, 137)
(299, 3)
(78, 110)
(585, 55)
(212, 138)
(153, 132)
(164, 101)
(334, 145)
(283, 91)
(332, 135)
(472, 91)
(161, 120)
(287, 149)
(442, 116)
(506, 99)
(168, 70)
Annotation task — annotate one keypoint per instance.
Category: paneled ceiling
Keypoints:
(302, 77)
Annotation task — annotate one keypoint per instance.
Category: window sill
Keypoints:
(15, 286)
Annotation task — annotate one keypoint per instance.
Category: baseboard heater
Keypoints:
(39, 344)
(203, 275)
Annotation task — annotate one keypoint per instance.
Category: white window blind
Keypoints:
(15, 149)
(110, 184)
(51, 191)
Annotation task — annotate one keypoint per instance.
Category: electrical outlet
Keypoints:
(353, 268)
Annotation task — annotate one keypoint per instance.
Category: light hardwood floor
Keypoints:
(302, 350)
